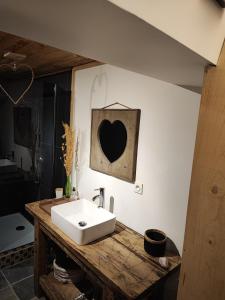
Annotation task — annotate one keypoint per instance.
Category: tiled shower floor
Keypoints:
(11, 234)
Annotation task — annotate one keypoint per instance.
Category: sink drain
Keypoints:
(82, 223)
(19, 228)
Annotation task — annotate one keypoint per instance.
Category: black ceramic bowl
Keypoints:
(155, 242)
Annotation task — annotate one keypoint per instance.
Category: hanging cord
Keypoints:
(14, 67)
(116, 103)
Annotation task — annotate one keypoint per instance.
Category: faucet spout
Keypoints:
(101, 197)
(95, 197)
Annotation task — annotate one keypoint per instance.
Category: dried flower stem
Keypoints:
(68, 148)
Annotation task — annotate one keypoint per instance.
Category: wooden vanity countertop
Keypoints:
(118, 260)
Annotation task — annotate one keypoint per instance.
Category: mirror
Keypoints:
(112, 138)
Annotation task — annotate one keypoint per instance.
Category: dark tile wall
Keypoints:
(49, 99)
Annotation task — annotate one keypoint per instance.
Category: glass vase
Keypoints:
(68, 187)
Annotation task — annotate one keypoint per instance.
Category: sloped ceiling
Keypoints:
(104, 32)
(198, 25)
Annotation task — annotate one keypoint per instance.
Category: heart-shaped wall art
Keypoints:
(9, 72)
(112, 139)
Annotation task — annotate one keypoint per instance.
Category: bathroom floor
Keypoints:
(17, 282)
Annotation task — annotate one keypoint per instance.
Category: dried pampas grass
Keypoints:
(68, 148)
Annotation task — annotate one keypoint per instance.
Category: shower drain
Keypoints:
(82, 223)
(20, 228)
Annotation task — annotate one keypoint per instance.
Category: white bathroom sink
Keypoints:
(83, 221)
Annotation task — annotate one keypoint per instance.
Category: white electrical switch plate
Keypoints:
(138, 188)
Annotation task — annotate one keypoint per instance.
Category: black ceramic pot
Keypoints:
(155, 242)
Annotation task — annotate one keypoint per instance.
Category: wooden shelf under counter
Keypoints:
(56, 290)
(117, 263)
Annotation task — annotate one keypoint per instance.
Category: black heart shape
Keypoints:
(112, 138)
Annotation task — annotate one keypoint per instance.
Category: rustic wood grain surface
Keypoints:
(203, 264)
(42, 58)
(125, 166)
(56, 290)
(117, 260)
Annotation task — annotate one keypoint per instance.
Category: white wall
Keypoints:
(165, 151)
(197, 24)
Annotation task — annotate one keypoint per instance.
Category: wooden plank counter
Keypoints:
(117, 262)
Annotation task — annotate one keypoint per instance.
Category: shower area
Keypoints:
(30, 153)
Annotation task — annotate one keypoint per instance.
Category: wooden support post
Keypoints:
(40, 257)
(203, 265)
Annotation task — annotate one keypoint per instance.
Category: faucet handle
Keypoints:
(99, 189)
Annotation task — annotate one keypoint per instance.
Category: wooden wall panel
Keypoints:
(203, 264)
(124, 166)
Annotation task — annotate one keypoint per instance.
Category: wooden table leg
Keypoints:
(107, 294)
(40, 257)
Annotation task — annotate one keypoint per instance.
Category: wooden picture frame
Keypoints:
(109, 130)
(221, 3)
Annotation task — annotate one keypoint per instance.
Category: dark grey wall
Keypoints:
(49, 99)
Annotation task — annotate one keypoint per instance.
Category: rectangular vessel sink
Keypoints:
(83, 221)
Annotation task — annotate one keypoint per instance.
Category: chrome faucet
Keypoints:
(101, 197)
